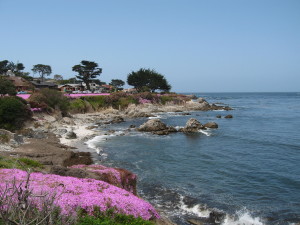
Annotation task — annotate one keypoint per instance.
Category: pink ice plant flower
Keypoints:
(79, 193)
(144, 101)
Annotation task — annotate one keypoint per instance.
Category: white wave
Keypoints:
(179, 127)
(244, 218)
(219, 110)
(93, 142)
(205, 132)
(154, 117)
(198, 210)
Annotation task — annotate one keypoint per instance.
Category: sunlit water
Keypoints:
(248, 168)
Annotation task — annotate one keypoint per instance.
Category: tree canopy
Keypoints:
(87, 70)
(4, 66)
(42, 70)
(58, 77)
(7, 87)
(117, 83)
(148, 79)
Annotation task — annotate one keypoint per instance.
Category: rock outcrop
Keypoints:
(192, 125)
(228, 116)
(156, 127)
(116, 176)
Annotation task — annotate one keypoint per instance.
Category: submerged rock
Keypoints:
(228, 116)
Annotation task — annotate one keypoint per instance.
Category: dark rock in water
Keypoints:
(211, 125)
(185, 114)
(192, 125)
(71, 135)
(216, 217)
(132, 126)
(218, 116)
(153, 125)
(195, 222)
(116, 176)
(227, 108)
(117, 119)
(228, 116)
(165, 132)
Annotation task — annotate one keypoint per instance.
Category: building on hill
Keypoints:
(71, 88)
(39, 84)
(20, 83)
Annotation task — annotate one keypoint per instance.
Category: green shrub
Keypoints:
(19, 163)
(13, 113)
(49, 98)
(165, 98)
(96, 101)
(78, 105)
(110, 218)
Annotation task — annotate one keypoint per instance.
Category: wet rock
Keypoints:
(219, 116)
(211, 125)
(71, 135)
(117, 119)
(166, 131)
(228, 116)
(192, 125)
(132, 126)
(153, 125)
(91, 127)
(216, 217)
(195, 222)
(185, 114)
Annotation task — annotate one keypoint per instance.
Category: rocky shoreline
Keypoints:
(52, 139)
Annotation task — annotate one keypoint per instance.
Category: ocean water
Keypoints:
(248, 168)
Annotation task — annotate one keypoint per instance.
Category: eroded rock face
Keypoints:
(153, 125)
(211, 125)
(116, 176)
(192, 125)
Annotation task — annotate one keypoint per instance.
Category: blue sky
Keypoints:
(200, 46)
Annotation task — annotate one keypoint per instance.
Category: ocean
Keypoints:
(248, 168)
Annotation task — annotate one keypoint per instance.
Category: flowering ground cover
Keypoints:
(72, 194)
(84, 95)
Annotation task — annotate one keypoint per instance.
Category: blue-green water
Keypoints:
(248, 168)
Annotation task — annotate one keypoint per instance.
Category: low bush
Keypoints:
(19, 163)
(13, 113)
(78, 105)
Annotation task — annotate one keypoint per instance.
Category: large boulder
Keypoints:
(116, 176)
(211, 125)
(153, 125)
(71, 194)
(192, 125)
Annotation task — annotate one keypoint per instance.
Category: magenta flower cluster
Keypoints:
(76, 193)
(144, 101)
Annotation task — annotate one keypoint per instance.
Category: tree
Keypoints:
(42, 70)
(58, 77)
(7, 87)
(118, 84)
(4, 66)
(148, 79)
(87, 70)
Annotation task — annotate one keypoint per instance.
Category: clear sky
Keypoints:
(199, 46)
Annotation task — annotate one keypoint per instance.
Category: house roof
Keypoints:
(45, 84)
(70, 85)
